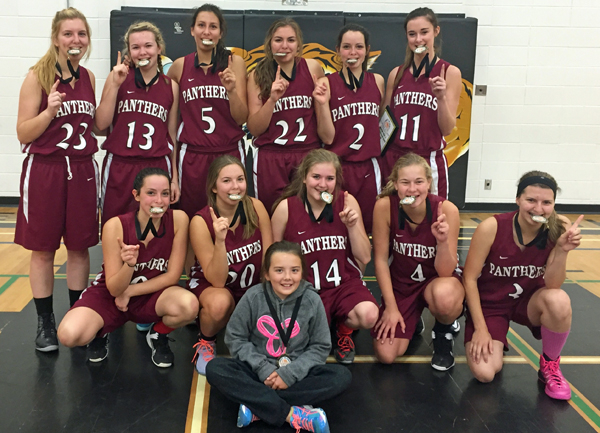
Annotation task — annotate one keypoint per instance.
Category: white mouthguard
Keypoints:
(280, 54)
(326, 197)
(408, 200)
(235, 197)
(143, 62)
(156, 210)
(352, 61)
(421, 49)
(74, 52)
(207, 42)
(539, 219)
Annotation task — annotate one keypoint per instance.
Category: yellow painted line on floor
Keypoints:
(197, 416)
(583, 406)
(423, 359)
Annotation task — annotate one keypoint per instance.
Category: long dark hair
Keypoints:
(408, 58)
(221, 52)
(264, 74)
(555, 225)
(211, 181)
(356, 28)
(316, 156)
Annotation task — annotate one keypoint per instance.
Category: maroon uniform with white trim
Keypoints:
(355, 116)
(152, 261)
(139, 138)
(291, 134)
(70, 132)
(244, 257)
(414, 107)
(412, 265)
(509, 277)
(60, 180)
(206, 131)
(331, 267)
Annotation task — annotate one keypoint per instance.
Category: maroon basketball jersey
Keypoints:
(204, 107)
(140, 122)
(413, 251)
(356, 118)
(326, 246)
(152, 260)
(415, 109)
(244, 257)
(70, 132)
(293, 123)
(508, 273)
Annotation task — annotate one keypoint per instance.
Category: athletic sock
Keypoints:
(552, 343)
(441, 328)
(43, 305)
(204, 337)
(74, 296)
(161, 328)
(344, 329)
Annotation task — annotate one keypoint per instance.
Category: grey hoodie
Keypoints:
(252, 335)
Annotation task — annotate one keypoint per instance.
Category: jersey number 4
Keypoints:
(332, 275)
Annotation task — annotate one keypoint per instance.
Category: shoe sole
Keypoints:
(47, 348)
(98, 359)
(160, 364)
(440, 368)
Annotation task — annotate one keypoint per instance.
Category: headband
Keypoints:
(533, 180)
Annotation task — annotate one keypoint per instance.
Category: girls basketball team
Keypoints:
(279, 270)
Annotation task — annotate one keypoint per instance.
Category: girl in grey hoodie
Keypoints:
(279, 340)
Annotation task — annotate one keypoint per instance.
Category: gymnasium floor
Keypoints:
(61, 392)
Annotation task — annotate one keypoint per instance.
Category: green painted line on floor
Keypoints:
(576, 397)
(9, 283)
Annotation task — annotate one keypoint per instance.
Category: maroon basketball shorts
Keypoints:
(59, 198)
(141, 309)
(273, 171)
(118, 174)
(193, 163)
(340, 300)
(437, 161)
(363, 180)
(498, 321)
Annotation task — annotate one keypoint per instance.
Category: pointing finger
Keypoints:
(118, 57)
(212, 214)
(443, 72)
(54, 86)
(576, 223)
(278, 74)
(230, 61)
(121, 244)
(440, 211)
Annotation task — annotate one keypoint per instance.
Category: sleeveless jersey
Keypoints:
(206, 120)
(152, 260)
(326, 246)
(244, 257)
(70, 132)
(415, 109)
(355, 116)
(509, 274)
(294, 123)
(140, 122)
(413, 251)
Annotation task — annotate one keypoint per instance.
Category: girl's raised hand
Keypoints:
(320, 94)
(120, 71)
(348, 216)
(571, 239)
(55, 99)
(279, 86)
(129, 253)
(220, 226)
(228, 76)
(440, 227)
(438, 84)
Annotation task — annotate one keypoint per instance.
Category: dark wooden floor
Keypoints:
(61, 392)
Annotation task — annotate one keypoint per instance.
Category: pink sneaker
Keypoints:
(556, 385)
